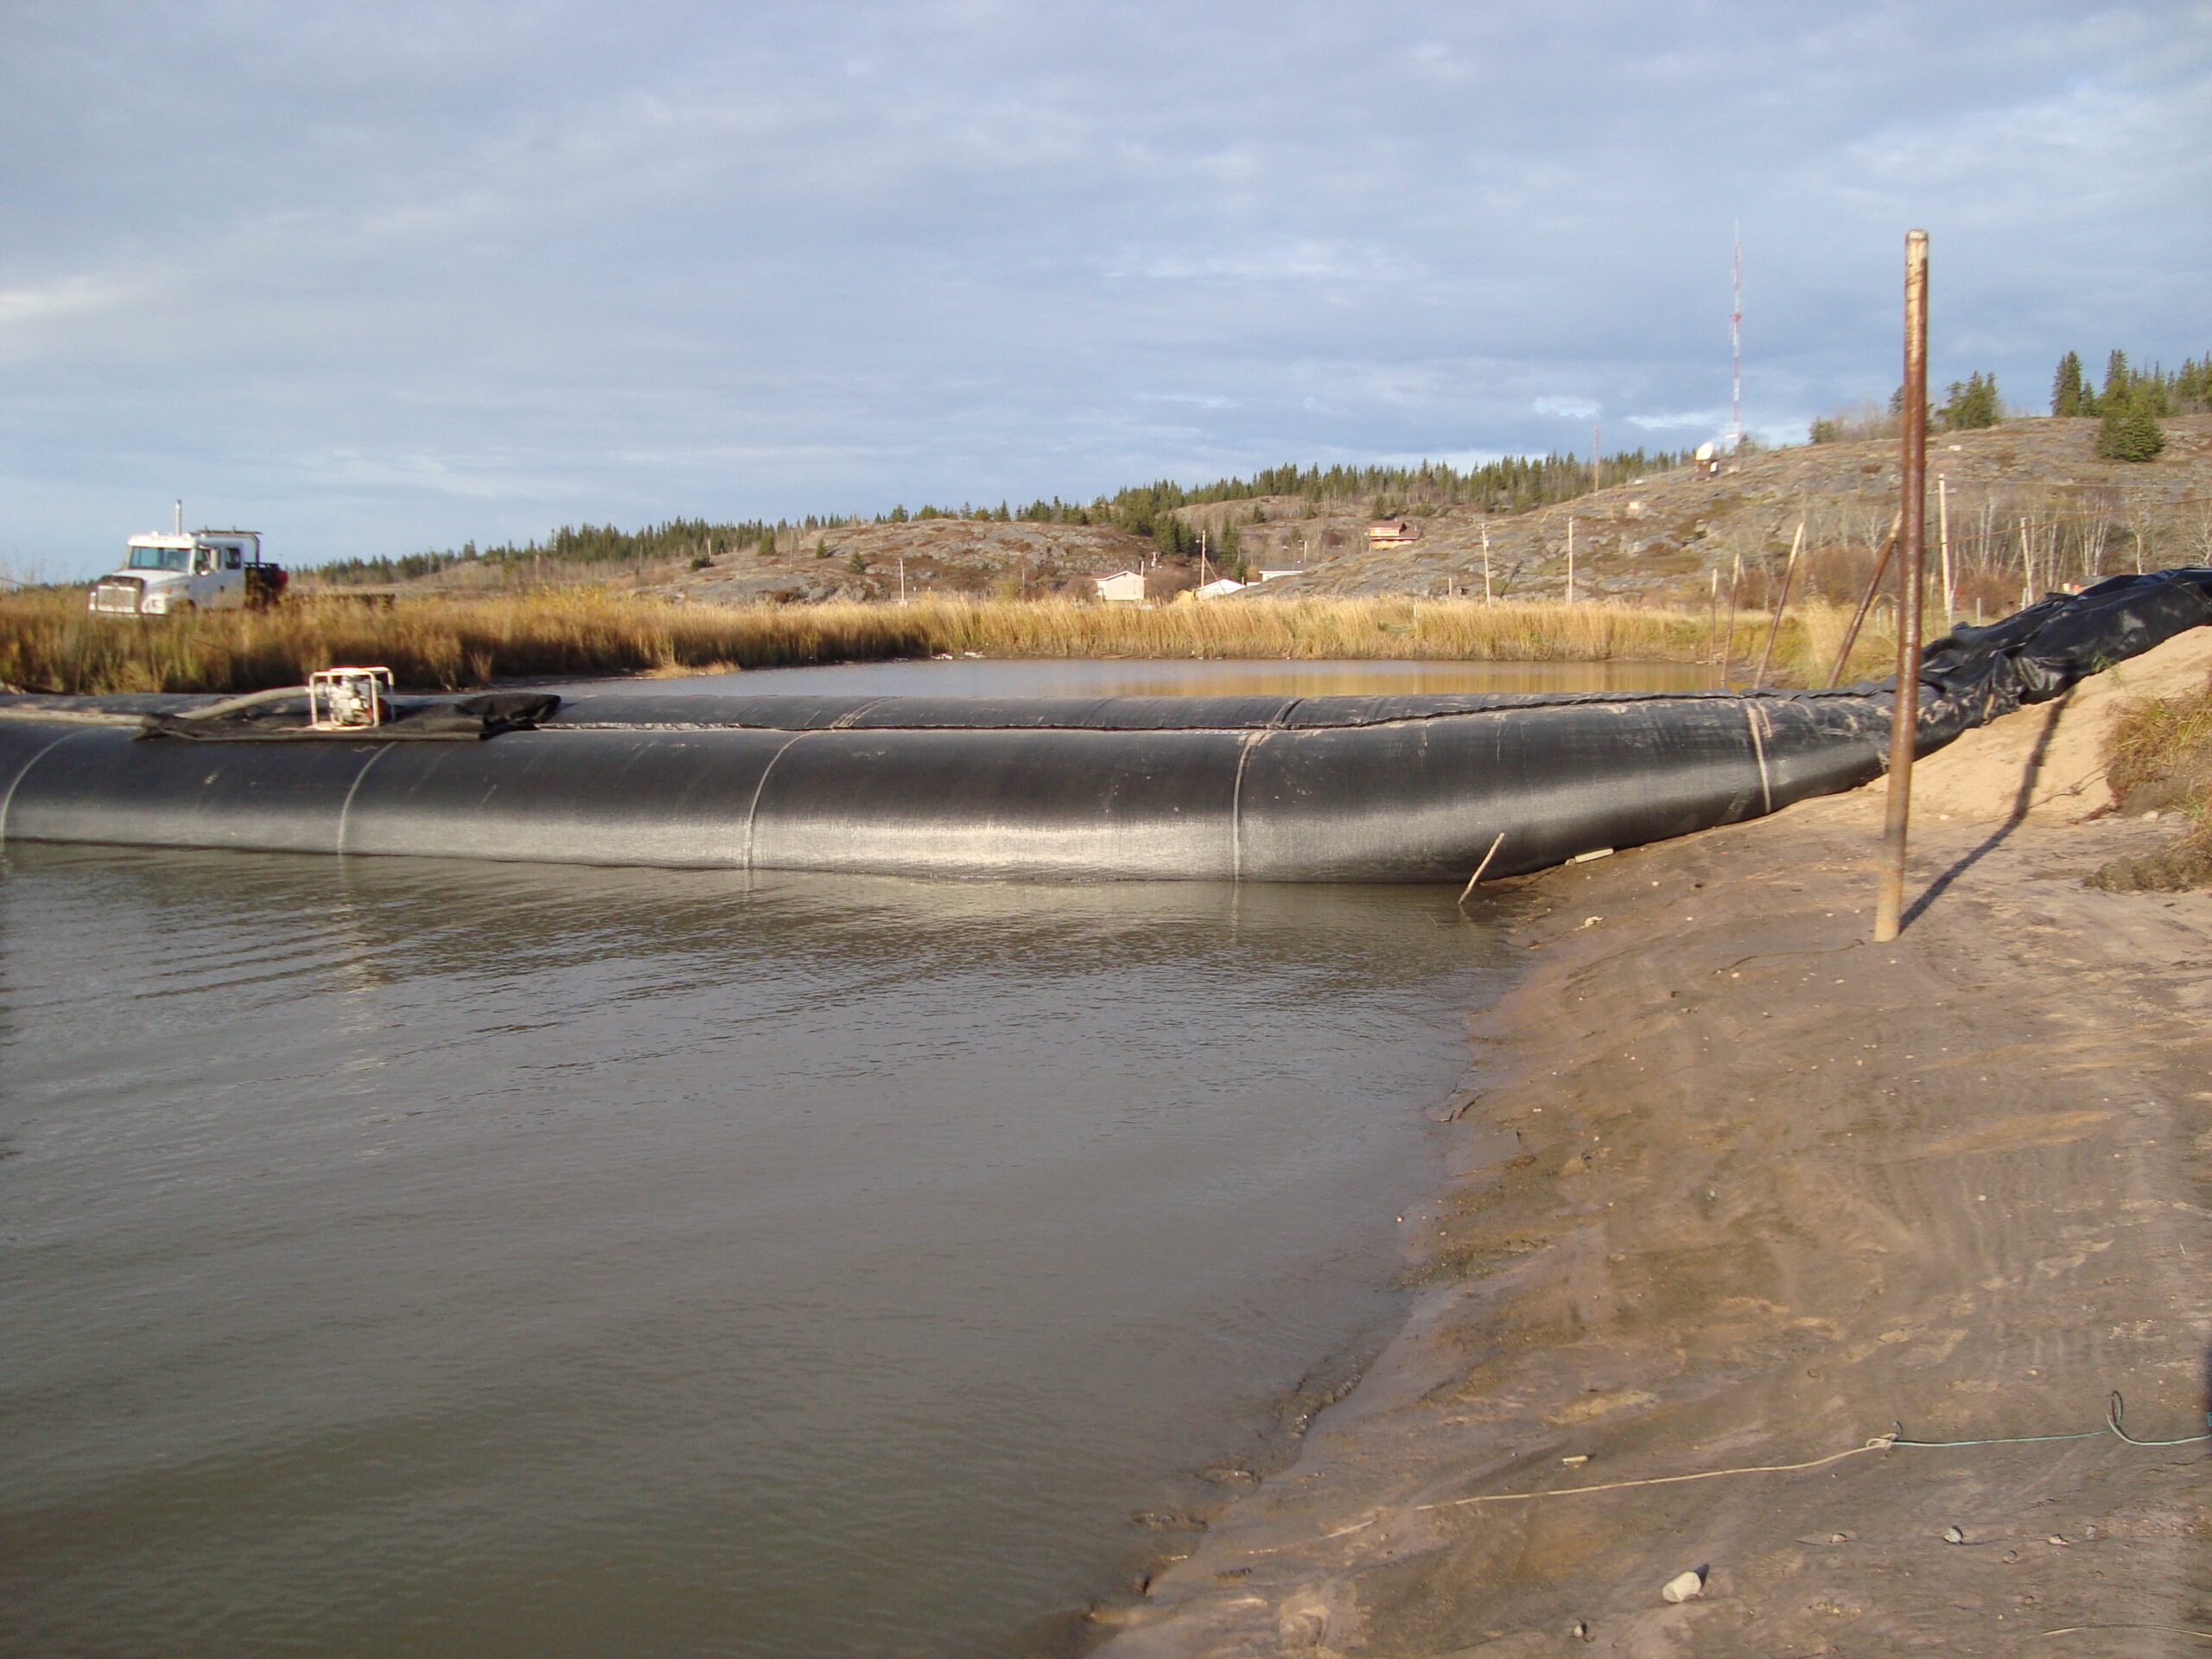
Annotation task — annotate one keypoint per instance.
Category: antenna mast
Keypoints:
(1736, 349)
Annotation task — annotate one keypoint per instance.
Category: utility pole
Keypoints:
(1570, 558)
(1488, 597)
(1912, 472)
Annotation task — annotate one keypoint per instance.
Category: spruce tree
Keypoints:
(2118, 381)
(2129, 428)
(2068, 396)
(1972, 403)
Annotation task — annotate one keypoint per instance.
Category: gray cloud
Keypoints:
(376, 277)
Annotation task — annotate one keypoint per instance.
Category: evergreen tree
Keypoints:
(2129, 428)
(2070, 395)
(1972, 403)
(2118, 380)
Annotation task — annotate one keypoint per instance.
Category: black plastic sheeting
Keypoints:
(466, 719)
(1272, 789)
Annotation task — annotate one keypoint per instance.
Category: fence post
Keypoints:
(1912, 475)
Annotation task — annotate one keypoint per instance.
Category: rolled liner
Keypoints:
(1352, 789)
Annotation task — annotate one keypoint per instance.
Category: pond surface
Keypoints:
(415, 1258)
(1087, 676)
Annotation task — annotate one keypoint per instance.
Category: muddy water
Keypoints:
(415, 1258)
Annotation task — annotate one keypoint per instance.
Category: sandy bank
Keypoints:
(1742, 1189)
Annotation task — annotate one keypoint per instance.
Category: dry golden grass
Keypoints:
(2162, 759)
(49, 642)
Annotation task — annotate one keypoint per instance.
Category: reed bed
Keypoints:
(49, 643)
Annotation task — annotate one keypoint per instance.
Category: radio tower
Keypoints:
(1736, 350)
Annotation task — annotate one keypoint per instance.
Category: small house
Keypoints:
(1392, 532)
(1221, 589)
(1122, 587)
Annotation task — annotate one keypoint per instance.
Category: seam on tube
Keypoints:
(1252, 741)
(8, 799)
(346, 812)
(1753, 718)
(752, 811)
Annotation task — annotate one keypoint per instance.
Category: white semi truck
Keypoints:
(188, 570)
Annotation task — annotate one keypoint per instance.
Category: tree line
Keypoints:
(1513, 484)
(2127, 408)
(2131, 402)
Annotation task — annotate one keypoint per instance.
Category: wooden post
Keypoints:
(1912, 473)
(1866, 602)
(1488, 597)
(1480, 867)
(1774, 628)
(1570, 558)
(1943, 530)
(1728, 619)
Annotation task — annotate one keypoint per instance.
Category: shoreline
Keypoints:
(1740, 1190)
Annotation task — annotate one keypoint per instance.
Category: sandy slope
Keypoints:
(1740, 1188)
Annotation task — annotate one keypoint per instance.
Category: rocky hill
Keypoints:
(2030, 505)
(2035, 483)
(2028, 491)
(968, 555)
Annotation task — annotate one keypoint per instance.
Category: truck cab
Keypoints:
(188, 570)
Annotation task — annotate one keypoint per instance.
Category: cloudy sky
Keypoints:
(378, 276)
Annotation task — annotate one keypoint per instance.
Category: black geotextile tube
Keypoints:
(1269, 788)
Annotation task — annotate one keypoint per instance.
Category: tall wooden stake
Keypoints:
(1780, 601)
(1944, 538)
(1912, 474)
(1865, 602)
(1728, 620)
(1570, 559)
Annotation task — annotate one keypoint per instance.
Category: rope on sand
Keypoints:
(2170, 1629)
(1879, 1443)
(2114, 1423)
(2115, 1411)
